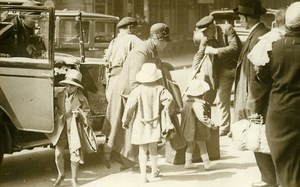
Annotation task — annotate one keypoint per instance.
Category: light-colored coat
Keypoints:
(79, 101)
(143, 108)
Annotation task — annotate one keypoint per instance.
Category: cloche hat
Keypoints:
(292, 16)
(250, 8)
(197, 87)
(160, 31)
(127, 21)
(72, 77)
(148, 73)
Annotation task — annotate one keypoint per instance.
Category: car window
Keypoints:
(24, 34)
(69, 31)
(104, 32)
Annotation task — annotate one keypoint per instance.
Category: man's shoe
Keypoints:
(58, 180)
(263, 184)
(223, 133)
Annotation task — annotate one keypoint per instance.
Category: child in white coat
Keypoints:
(143, 112)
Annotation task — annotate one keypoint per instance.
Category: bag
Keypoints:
(176, 93)
(89, 139)
(167, 127)
(239, 134)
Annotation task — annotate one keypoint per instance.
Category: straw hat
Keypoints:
(197, 87)
(73, 77)
(148, 73)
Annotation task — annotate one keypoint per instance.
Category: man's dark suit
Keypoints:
(252, 94)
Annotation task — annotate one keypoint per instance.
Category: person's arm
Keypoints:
(199, 110)
(130, 109)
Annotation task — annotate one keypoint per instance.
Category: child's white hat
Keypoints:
(72, 77)
(197, 87)
(148, 73)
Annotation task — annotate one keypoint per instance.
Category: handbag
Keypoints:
(89, 137)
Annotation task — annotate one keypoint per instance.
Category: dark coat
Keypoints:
(283, 119)
(229, 46)
(251, 89)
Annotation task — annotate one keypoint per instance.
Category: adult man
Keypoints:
(118, 50)
(223, 46)
(252, 87)
(115, 56)
(22, 40)
(145, 52)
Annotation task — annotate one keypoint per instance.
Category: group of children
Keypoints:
(142, 112)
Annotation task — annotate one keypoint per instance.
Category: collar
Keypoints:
(252, 28)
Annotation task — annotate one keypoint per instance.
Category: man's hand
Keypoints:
(125, 126)
(211, 51)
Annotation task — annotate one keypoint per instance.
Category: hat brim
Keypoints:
(142, 78)
(64, 82)
(239, 11)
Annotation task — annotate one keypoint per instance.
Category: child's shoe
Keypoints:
(156, 173)
(190, 165)
(207, 164)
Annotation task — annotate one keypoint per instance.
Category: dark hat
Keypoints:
(250, 8)
(160, 31)
(127, 21)
(205, 22)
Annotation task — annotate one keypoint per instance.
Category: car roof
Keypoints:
(73, 13)
(230, 12)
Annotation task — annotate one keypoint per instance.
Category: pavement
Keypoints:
(233, 169)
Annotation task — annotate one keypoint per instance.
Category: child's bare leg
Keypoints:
(153, 158)
(189, 156)
(143, 161)
(204, 154)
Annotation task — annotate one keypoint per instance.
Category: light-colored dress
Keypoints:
(143, 110)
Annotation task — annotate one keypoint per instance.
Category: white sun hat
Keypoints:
(148, 73)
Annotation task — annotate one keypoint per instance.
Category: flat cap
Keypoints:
(160, 31)
(205, 22)
(127, 21)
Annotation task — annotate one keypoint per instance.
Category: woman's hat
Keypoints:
(250, 8)
(197, 87)
(148, 73)
(160, 31)
(127, 21)
(72, 77)
(292, 16)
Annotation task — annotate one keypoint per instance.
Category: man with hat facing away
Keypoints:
(145, 52)
(118, 50)
(23, 42)
(252, 88)
(223, 46)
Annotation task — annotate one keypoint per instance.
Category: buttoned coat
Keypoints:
(251, 88)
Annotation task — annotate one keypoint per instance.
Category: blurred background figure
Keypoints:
(143, 28)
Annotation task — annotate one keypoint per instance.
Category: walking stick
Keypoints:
(194, 74)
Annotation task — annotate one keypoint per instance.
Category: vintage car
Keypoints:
(228, 16)
(27, 85)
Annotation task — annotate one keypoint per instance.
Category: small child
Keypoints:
(195, 122)
(70, 104)
(143, 111)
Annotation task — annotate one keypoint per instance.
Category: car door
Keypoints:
(26, 84)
